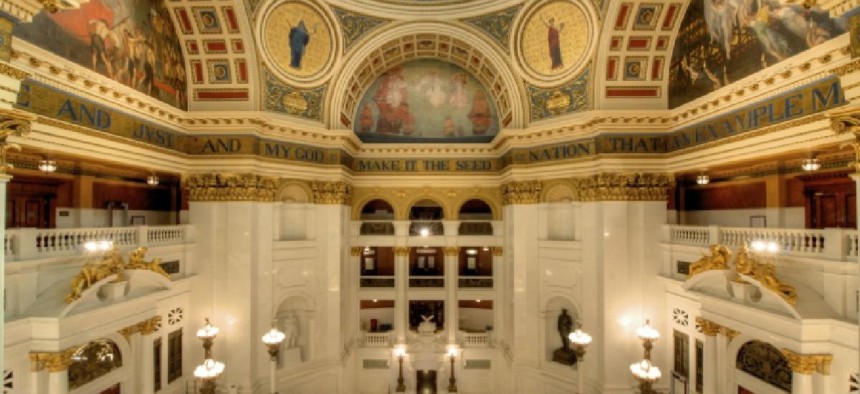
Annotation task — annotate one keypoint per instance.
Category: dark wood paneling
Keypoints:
(734, 196)
(138, 197)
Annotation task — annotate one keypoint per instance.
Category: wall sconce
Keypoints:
(152, 180)
(47, 166)
(810, 164)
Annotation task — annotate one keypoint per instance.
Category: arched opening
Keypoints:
(766, 363)
(561, 318)
(376, 218)
(476, 218)
(377, 267)
(92, 361)
(295, 319)
(426, 218)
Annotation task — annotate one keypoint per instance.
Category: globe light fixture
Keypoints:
(207, 334)
(646, 374)
(703, 179)
(47, 166)
(207, 373)
(273, 340)
(810, 164)
(579, 340)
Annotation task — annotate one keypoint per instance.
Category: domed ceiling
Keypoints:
(428, 70)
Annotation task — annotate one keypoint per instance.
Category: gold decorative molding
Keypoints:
(728, 332)
(401, 251)
(521, 192)
(497, 251)
(14, 72)
(149, 326)
(709, 328)
(623, 187)
(230, 187)
(808, 364)
(355, 251)
(51, 361)
(450, 199)
(12, 124)
(331, 193)
(452, 251)
(844, 122)
(111, 263)
(128, 331)
(718, 260)
(847, 68)
(747, 263)
(136, 261)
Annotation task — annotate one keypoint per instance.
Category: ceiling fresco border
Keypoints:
(401, 42)
(263, 17)
(529, 26)
(354, 26)
(498, 25)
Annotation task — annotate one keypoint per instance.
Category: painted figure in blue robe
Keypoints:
(299, 38)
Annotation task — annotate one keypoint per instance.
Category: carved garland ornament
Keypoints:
(145, 327)
(521, 192)
(709, 328)
(14, 72)
(808, 364)
(623, 187)
(331, 193)
(230, 187)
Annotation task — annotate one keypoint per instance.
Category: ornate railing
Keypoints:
(829, 244)
(475, 281)
(476, 339)
(381, 339)
(475, 228)
(31, 244)
(376, 281)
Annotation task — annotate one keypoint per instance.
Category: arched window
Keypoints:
(376, 217)
(765, 362)
(96, 359)
(475, 218)
(426, 217)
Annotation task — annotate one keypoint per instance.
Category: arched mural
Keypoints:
(426, 101)
(130, 41)
(765, 362)
(722, 41)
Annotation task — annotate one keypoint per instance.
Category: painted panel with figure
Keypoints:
(426, 101)
(130, 41)
(723, 41)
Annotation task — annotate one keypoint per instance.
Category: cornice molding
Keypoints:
(623, 187)
(230, 187)
(331, 193)
(521, 192)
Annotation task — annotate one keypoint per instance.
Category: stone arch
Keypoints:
(358, 206)
(446, 209)
(494, 210)
(551, 306)
(294, 192)
(765, 362)
(295, 316)
(403, 42)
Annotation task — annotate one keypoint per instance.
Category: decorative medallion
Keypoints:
(681, 317)
(174, 316)
(285, 99)
(298, 41)
(354, 26)
(555, 40)
(547, 103)
(497, 25)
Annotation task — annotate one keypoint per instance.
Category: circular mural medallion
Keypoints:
(555, 40)
(298, 41)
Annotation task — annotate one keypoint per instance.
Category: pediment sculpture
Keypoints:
(111, 263)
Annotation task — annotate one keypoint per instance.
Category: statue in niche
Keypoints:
(564, 355)
(291, 331)
(427, 326)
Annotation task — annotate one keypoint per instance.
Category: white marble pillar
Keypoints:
(801, 383)
(499, 291)
(58, 382)
(147, 372)
(137, 361)
(821, 383)
(722, 363)
(522, 244)
(856, 178)
(4, 180)
(451, 303)
(709, 364)
(401, 282)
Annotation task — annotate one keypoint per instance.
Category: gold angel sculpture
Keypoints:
(718, 260)
(748, 264)
(111, 263)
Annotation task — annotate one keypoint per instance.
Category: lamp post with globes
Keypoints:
(207, 334)
(400, 351)
(579, 340)
(273, 340)
(452, 381)
(210, 369)
(643, 371)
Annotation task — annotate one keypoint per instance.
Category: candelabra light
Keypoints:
(579, 340)
(452, 381)
(210, 369)
(810, 164)
(643, 371)
(273, 340)
(400, 351)
(207, 334)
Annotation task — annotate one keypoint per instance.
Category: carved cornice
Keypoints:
(452, 251)
(355, 251)
(844, 123)
(12, 71)
(401, 251)
(709, 328)
(847, 68)
(230, 187)
(808, 364)
(623, 187)
(521, 192)
(498, 251)
(51, 361)
(332, 193)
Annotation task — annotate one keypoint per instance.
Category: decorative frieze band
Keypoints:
(146, 327)
(12, 71)
(711, 329)
(331, 193)
(808, 364)
(51, 361)
(230, 187)
(521, 192)
(623, 187)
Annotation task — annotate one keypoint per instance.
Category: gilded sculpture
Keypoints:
(718, 260)
(748, 264)
(111, 263)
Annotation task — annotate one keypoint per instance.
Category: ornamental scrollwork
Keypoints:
(51, 361)
(11, 125)
(521, 192)
(111, 263)
(623, 187)
(718, 260)
(747, 264)
(331, 193)
(844, 124)
(230, 187)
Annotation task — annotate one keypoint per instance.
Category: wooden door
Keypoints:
(830, 201)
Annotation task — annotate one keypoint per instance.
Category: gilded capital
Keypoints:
(728, 332)
(51, 361)
(12, 124)
(709, 328)
(808, 364)
(498, 251)
(331, 193)
(13, 72)
(355, 250)
(401, 251)
(230, 187)
(149, 326)
(452, 251)
(623, 187)
(845, 122)
(521, 192)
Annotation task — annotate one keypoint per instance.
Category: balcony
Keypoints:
(834, 244)
(32, 244)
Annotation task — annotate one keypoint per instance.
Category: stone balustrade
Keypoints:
(435, 228)
(834, 244)
(476, 339)
(36, 243)
(377, 339)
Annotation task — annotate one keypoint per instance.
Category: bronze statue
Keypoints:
(718, 260)
(564, 355)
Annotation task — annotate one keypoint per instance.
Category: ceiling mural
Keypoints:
(283, 98)
(547, 103)
(723, 41)
(354, 25)
(132, 42)
(426, 101)
(497, 25)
